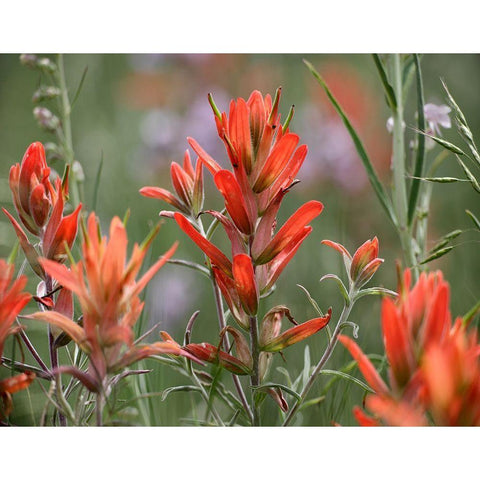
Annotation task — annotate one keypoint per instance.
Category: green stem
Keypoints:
(325, 357)
(67, 132)
(255, 377)
(222, 324)
(398, 162)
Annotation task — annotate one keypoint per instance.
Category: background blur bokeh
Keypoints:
(137, 110)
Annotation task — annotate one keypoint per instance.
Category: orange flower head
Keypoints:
(451, 372)
(364, 263)
(12, 299)
(106, 285)
(431, 364)
(40, 206)
(31, 189)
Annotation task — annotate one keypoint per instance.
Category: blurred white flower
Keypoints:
(436, 116)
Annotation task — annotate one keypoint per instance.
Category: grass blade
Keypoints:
(80, 86)
(372, 175)
(391, 100)
(420, 159)
(97, 183)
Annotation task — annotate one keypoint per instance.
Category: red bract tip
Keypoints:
(305, 214)
(245, 283)
(212, 252)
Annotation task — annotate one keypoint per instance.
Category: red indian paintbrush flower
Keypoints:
(12, 299)
(422, 351)
(40, 207)
(105, 284)
(265, 159)
(450, 371)
(364, 263)
(188, 184)
(12, 385)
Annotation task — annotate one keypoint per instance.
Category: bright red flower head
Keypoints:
(364, 263)
(188, 185)
(40, 206)
(12, 299)
(431, 364)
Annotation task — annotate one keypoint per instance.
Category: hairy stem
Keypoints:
(255, 377)
(222, 324)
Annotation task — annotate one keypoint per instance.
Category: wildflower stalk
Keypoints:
(255, 377)
(398, 163)
(325, 357)
(222, 324)
(67, 131)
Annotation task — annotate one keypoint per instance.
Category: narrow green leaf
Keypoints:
(390, 94)
(286, 373)
(306, 366)
(348, 377)
(215, 109)
(468, 317)
(438, 254)
(13, 253)
(407, 75)
(97, 183)
(341, 286)
(375, 291)
(420, 158)
(180, 388)
(80, 86)
(312, 402)
(372, 175)
(311, 300)
(192, 265)
(290, 391)
(475, 220)
(289, 118)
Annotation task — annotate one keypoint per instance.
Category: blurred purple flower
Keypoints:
(436, 116)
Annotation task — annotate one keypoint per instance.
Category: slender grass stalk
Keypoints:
(398, 163)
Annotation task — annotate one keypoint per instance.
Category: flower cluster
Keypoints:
(108, 291)
(434, 367)
(12, 301)
(40, 207)
(265, 158)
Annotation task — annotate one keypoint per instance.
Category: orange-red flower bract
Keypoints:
(434, 367)
(12, 299)
(40, 207)
(364, 263)
(12, 385)
(31, 188)
(188, 185)
(105, 284)
(296, 334)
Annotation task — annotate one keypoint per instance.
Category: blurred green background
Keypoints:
(137, 110)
